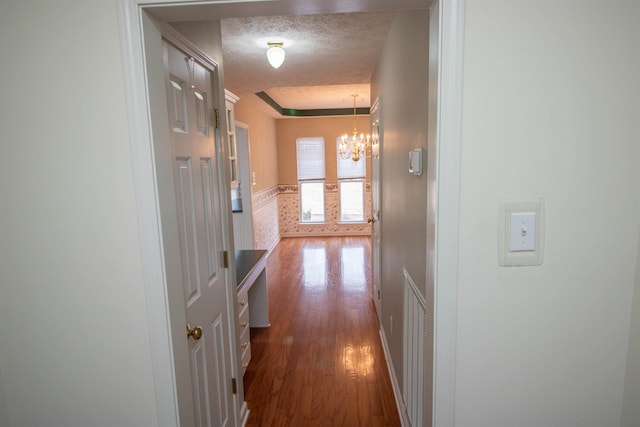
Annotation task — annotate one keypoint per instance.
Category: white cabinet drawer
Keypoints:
(246, 358)
(245, 332)
(243, 299)
(244, 320)
(245, 348)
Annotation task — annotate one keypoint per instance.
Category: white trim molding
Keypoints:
(451, 19)
(151, 248)
(451, 22)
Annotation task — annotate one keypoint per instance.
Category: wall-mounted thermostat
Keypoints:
(415, 161)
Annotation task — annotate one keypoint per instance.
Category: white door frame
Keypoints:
(155, 283)
(451, 21)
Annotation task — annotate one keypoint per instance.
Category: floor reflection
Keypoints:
(357, 359)
(352, 263)
(314, 267)
(321, 361)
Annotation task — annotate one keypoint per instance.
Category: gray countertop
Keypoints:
(246, 260)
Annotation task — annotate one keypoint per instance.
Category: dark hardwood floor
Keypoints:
(321, 362)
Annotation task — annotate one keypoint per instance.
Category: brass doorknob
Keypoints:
(371, 220)
(195, 333)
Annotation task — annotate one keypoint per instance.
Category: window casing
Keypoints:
(351, 180)
(311, 179)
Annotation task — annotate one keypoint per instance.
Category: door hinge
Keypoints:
(225, 259)
(215, 116)
(234, 386)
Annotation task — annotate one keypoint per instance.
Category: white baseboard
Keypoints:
(397, 393)
(244, 414)
(273, 245)
(312, 233)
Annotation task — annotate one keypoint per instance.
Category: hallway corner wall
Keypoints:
(262, 144)
(401, 83)
(264, 168)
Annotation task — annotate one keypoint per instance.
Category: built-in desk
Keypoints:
(251, 272)
(251, 265)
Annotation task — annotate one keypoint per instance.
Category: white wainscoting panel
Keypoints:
(414, 351)
(290, 226)
(266, 231)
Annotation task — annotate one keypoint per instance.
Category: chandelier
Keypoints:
(354, 146)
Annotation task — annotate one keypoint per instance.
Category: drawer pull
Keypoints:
(243, 302)
(244, 324)
(245, 365)
(245, 344)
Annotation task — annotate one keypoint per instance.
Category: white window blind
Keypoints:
(310, 156)
(348, 168)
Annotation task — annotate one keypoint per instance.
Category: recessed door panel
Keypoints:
(188, 229)
(219, 399)
(178, 105)
(202, 118)
(209, 213)
(200, 385)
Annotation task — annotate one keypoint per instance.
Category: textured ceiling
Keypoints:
(332, 46)
(328, 57)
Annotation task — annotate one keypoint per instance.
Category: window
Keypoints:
(351, 200)
(311, 175)
(351, 186)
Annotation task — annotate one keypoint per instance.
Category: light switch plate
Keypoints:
(521, 232)
(415, 161)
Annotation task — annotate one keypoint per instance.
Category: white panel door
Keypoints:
(374, 219)
(206, 287)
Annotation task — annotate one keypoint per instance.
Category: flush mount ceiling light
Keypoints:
(275, 53)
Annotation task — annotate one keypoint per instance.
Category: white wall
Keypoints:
(74, 347)
(631, 406)
(550, 109)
